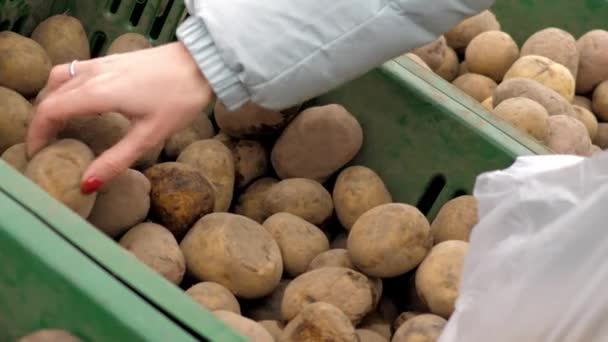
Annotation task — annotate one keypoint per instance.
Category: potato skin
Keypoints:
(319, 322)
(301, 197)
(250, 159)
(418, 60)
(357, 190)
(64, 39)
(58, 169)
(448, 70)
(438, 276)
(384, 255)
(179, 196)
(433, 53)
(593, 64)
(461, 35)
(582, 101)
(121, 203)
(128, 42)
(546, 72)
(299, 241)
(250, 203)
(422, 328)
(568, 135)
(332, 258)
(15, 115)
(526, 115)
(317, 143)
(155, 246)
(455, 220)
(49, 335)
(275, 328)
(348, 290)
(247, 260)
(269, 307)
(201, 128)
(600, 101)
(491, 54)
(380, 320)
(554, 103)
(404, 317)
(214, 296)
(586, 118)
(247, 328)
(555, 44)
(24, 64)
(252, 121)
(366, 335)
(16, 156)
(477, 86)
(601, 138)
(215, 162)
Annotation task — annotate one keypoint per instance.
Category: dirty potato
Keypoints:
(582, 101)
(593, 64)
(249, 329)
(600, 101)
(422, 328)
(586, 118)
(332, 258)
(433, 53)
(601, 138)
(269, 307)
(301, 197)
(404, 317)
(201, 128)
(461, 35)
(275, 328)
(128, 42)
(477, 86)
(455, 220)
(64, 39)
(319, 322)
(15, 114)
(16, 156)
(252, 121)
(418, 60)
(214, 296)
(555, 44)
(366, 335)
(526, 115)
(448, 70)
(546, 72)
(491, 54)
(250, 159)
(568, 135)
(554, 103)
(250, 203)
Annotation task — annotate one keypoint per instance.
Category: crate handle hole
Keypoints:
(5, 25)
(114, 5)
(159, 22)
(138, 10)
(18, 25)
(432, 192)
(97, 43)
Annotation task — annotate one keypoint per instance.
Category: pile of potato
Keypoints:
(553, 88)
(255, 214)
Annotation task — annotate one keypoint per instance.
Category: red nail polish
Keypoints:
(90, 185)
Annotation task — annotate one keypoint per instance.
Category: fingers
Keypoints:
(120, 157)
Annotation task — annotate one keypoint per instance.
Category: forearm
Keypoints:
(278, 53)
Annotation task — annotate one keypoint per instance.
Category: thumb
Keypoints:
(119, 157)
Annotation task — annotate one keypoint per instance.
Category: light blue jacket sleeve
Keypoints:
(277, 53)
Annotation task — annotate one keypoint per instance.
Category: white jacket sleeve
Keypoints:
(277, 53)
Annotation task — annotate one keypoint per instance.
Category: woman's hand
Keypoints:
(161, 90)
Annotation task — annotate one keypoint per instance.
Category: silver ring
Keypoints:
(73, 68)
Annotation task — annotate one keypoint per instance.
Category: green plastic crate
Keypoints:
(424, 138)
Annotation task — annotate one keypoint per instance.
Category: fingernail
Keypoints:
(90, 185)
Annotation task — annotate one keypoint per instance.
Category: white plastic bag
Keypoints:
(537, 267)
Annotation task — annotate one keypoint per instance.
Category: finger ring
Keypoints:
(73, 68)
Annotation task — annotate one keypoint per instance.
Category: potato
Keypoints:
(101, 132)
(380, 320)
(201, 128)
(418, 60)
(250, 159)
(595, 150)
(357, 190)
(477, 86)
(568, 135)
(600, 101)
(491, 54)
(423, 328)
(252, 121)
(129, 42)
(155, 246)
(463, 69)
(526, 115)
(49, 335)
(319, 322)
(601, 138)
(121, 203)
(214, 296)
(349, 290)
(246, 259)
(15, 114)
(339, 241)
(317, 143)
(250, 203)
(586, 118)
(179, 196)
(432, 53)
(58, 170)
(275, 328)
(555, 44)
(438, 276)
(554, 103)
(332, 258)
(16, 156)
(249, 329)
(215, 162)
(582, 101)
(404, 317)
(455, 220)
(64, 39)
(593, 64)
(298, 240)
(301, 197)
(24, 64)
(366, 335)
(546, 72)
(269, 307)
(448, 70)
(461, 35)
(489, 103)
(376, 243)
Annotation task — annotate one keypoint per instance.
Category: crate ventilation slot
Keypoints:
(431, 194)
(114, 5)
(138, 10)
(161, 19)
(97, 43)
